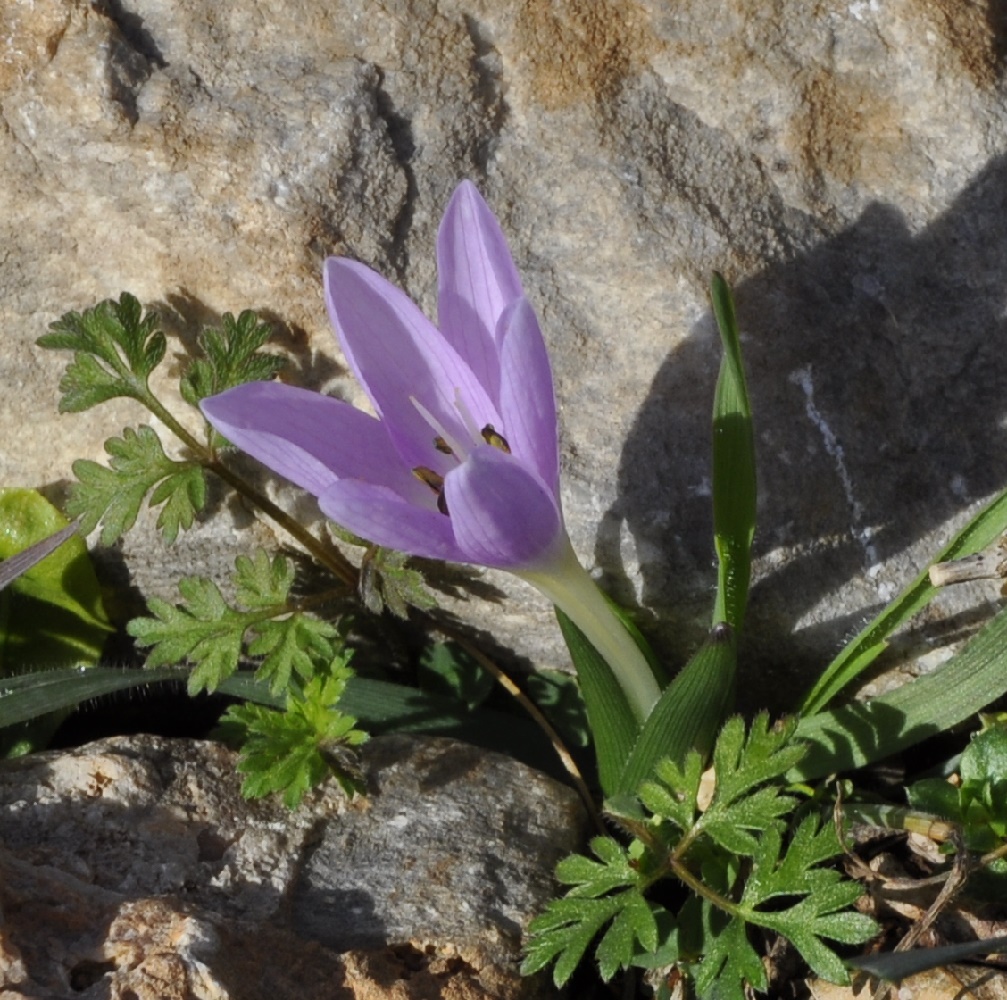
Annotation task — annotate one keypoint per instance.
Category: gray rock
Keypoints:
(135, 864)
(844, 166)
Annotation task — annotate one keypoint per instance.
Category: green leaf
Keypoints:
(564, 933)
(860, 733)
(138, 466)
(203, 630)
(734, 485)
(116, 348)
(673, 793)
(261, 582)
(984, 760)
(387, 581)
(822, 913)
(689, 713)
(292, 645)
(739, 803)
(210, 633)
(634, 923)
(294, 750)
(380, 705)
(231, 357)
(613, 723)
(729, 960)
(864, 649)
(51, 611)
(447, 670)
(742, 764)
(569, 925)
(18, 564)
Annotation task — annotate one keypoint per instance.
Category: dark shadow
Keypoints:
(185, 316)
(876, 368)
(855, 733)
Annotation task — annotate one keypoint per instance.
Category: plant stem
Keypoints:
(537, 716)
(330, 558)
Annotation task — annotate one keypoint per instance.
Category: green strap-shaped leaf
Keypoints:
(734, 489)
(689, 713)
(861, 733)
(380, 706)
(613, 723)
(859, 654)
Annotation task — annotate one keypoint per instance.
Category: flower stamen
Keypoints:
(467, 419)
(443, 442)
(435, 481)
(495, 440)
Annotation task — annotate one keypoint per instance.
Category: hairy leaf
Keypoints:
(231, 357)
(208, 632)
(113, 495)
(115, 349)
(294, 750)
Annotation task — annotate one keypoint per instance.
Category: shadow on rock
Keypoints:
(876, 370)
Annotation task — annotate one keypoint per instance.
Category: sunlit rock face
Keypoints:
(842, 164)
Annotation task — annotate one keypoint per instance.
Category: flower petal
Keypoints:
(383, 517)
(397, 354)
(310, 439)
(476, 280)
(527, 400)
(501, 512)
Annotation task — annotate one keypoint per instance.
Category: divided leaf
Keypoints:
(294, 750)
(231, 358)
(684, 830)
(116, 348)
(603, 890)
(745, 797)
(387, 581)
(210, 633)
(138, 466)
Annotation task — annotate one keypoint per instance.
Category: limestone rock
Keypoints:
(842, 164)
(133, 867)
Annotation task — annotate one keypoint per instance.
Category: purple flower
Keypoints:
(461, 461)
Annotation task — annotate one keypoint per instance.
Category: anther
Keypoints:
(430, 478)
(436, 482)
(491, 437)
(442, 446)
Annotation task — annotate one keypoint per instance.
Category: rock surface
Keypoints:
(842, 163)
(133, 867)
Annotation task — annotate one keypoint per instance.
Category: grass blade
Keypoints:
(861, 733)
(858, 654)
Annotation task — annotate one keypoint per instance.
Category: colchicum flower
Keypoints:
(461, 462)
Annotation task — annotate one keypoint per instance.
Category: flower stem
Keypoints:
(567, 584)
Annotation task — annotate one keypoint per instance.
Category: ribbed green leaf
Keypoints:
(689, 713)
(861, 652)
(613, 723)
(734, 488)
(861, 733)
